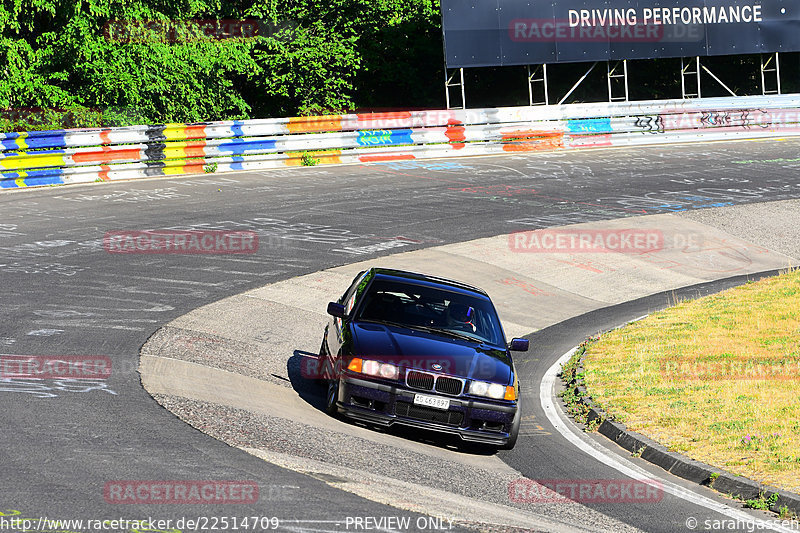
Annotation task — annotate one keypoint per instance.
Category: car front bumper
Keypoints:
(473, 420)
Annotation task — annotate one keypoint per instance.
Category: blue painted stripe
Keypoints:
(384, 137)
(239, 146)
(590, 125)
(50, 176)
(48, 141)
(236, 128)
(26, 154)
(55, 141)
(46, 133)
(7, 180)
(9, 144)
(44, 180)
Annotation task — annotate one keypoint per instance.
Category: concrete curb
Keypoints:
(684, 467)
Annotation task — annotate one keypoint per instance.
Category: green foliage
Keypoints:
(70, 64)
(762, 502)
(308, 160)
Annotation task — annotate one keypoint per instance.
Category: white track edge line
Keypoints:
(598, 452)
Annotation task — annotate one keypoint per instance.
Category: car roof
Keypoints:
(424, 279)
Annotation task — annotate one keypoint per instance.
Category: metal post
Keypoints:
(612, 75)
(686, 72)
(683, 80)
(718, 80)
(448, 83)
(546, 90)
(532, 79)
(697, 70)
(577, 83)
(776, 69)
(625, 68)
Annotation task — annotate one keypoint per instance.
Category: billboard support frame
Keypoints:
(613, 75)
(449, 83)
(618, 70)
(533, 80)
(577, 83)
(717, 80)
(765, 68)
(685, 73)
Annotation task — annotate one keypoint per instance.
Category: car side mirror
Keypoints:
(519, 345)
(336, 309)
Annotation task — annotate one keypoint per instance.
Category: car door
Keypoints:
(334, 331)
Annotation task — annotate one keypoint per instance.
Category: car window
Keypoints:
(414, 305)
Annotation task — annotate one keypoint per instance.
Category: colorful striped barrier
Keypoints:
(77, 156)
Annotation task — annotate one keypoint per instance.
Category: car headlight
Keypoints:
(492, 390)
(377, 369)
(479, 388)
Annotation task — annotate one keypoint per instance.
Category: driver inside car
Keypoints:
(460, 316)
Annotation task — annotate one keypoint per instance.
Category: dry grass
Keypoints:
(717, 379)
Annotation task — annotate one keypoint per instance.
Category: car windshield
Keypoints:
(431, 309)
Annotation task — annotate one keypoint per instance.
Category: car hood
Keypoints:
(410, 348)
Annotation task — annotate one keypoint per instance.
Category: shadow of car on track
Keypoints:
(313, 392)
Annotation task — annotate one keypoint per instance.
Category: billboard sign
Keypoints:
(480, 33)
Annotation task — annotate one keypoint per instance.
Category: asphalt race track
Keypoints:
(63, 294)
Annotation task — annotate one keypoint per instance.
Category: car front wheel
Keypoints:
(514, 433)
(332, 395)
(322, 365)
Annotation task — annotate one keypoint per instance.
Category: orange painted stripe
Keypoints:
(330, 157)
(455, 133)
(314, 124)
(104, 172)
(196, 132)
(104, 136)
(399, 157)
(193, 168)
(195, 149)
(107, 155)
(533, 134)
(530, 147)
(542, 140)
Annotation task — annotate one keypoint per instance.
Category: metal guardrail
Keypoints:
(103, 154)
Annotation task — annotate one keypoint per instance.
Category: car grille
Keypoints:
(429, 414)
(431, 382)
(420, 380)
(448, 385)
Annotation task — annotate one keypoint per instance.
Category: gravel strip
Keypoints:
(249, 430)
(769, 224)
(248, 359)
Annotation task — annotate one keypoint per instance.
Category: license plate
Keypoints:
(432, 401)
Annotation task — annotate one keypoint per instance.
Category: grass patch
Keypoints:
(572, 398)
(717, 378)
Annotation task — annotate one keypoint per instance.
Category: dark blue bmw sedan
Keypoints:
(410, 349)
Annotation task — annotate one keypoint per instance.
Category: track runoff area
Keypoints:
(69, 296)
